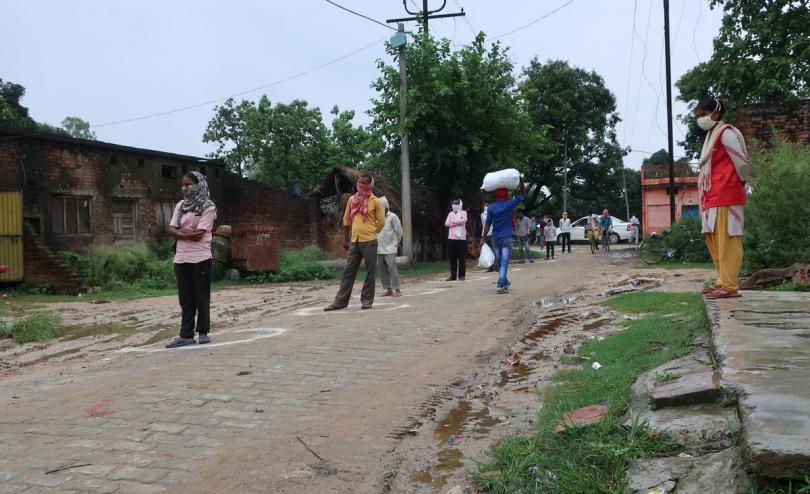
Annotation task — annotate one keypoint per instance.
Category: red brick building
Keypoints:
(77, 193)
(655, 195)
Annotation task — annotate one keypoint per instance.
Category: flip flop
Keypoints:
(365, 306)
(177, 343)
(722, 293)
(333, 307)
(710, 289)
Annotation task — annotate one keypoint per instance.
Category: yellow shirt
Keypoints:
(365, 229)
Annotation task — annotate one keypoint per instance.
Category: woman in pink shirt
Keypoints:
(456, 222)
(191, 226)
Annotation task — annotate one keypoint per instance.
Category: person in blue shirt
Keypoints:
(499, 222)
(605, 223)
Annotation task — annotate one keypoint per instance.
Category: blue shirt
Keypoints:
(605, 222)
(499, 217)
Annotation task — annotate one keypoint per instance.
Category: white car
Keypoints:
(622, 231)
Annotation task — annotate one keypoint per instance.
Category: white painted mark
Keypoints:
(261, 334)
(351, 309)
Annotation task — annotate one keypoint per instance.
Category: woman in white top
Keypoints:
(565, 232)
(456, 223)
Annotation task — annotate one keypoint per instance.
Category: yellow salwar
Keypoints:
(726, 252)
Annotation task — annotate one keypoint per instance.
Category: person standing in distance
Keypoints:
(634, 225)
(565, 232)
(363, 220)
(499, 221)
(456, 224)
(387, 244)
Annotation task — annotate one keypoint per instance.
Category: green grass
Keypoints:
(790, 286)
(593, 458)
(35, 327)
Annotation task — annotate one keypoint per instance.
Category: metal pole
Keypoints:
(425, 14)
(407, 231)
(565, 176)
(670, 146)
(626, 199)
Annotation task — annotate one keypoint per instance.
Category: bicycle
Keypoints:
(606, 238)
(654, 249)
(593, 239)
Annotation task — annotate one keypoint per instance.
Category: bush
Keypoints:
(122, 267)
(697, 252)
(36, 327)
(297, 265)
(778, 214)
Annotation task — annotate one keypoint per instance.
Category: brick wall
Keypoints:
(296, 219)
(790, 120)
(10, 171)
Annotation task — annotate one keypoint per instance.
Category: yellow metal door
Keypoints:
(11, 235)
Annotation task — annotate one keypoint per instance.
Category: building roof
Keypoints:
(62, 139)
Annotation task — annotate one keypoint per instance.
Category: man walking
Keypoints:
(634, 233)
(499, 221)
(522, 227)
(722, 196)
(565, 232)
(363, 220)
(387, 243)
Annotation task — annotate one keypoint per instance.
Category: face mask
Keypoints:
(706, 123)
(456, 208)
(186, 190)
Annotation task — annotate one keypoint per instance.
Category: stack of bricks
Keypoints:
(761, 122)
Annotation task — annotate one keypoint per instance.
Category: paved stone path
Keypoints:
(762, 341)
(239, 415)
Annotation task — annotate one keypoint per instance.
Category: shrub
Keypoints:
(697, 252)
(121, 267)
(778, 213)
(36, 327)
(297, 265)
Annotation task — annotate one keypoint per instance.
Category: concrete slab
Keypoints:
(762, 342)
(722, 472)
(688, 389)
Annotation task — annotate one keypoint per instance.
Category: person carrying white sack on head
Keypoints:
(387, 243)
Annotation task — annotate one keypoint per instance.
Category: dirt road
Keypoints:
(286, 399)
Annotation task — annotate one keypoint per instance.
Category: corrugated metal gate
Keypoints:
(11, 235)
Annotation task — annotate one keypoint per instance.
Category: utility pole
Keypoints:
(426, 14)
(670, 146)
(565, 176)
(399, 40)
(626, 199)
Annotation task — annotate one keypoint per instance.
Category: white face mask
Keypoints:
(706, 123)
(456, 208)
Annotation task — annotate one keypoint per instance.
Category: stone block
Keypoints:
(591, 414)
(688, 389)
(722, 472)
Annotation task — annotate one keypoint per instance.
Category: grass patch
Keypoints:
(593, 458)
(666, 377)
(791, 286)
(35, 327)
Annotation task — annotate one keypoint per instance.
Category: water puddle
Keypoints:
(591, 326)
(546, 328)
(70, 333)
(516, 374)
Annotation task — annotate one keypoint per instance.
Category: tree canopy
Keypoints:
(465, 117)
(661, 157)
(77, 127)
(761, 54)
(576, 112)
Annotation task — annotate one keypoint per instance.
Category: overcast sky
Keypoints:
(106, 61)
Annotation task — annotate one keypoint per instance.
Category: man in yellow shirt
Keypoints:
(363, 220)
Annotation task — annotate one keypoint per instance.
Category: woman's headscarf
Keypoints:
(196, 197)
(360, 199)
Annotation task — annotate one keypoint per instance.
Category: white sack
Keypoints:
(503, 179)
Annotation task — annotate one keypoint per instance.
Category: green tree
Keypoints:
(761, 54)
(661, 157)
(352, 145)
(577, 113)
(79, 128)
(465, 117)
(13, 114)
(282, 145)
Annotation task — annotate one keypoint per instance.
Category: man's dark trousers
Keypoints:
(358, 251)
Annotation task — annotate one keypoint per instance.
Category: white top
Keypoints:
(634, 221)
(390, 236)
(565, 225)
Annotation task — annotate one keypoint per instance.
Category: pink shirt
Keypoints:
(457, 223)
(194, 251)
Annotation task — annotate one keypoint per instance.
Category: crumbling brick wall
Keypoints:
(788, 120)
(295, 219)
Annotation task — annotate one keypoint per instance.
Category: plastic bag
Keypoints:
(487, 257)
(503, 179)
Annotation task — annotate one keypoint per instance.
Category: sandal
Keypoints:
(365, 306)
(397, 293)
(332, 307)
(177, 343)
(723, 293)
(710, 289)
(389, 293)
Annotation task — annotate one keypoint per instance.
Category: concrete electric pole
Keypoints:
(400, 42)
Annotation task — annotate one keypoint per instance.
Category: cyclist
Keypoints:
(605, 225)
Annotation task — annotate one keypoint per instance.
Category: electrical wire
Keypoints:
(566, 4)
(466, 19)
(241, 93)
(375, 21)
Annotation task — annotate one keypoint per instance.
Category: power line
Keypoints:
(241, 93)
(566, 4)
(375, 21)
(694, 31)
(466, 19)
